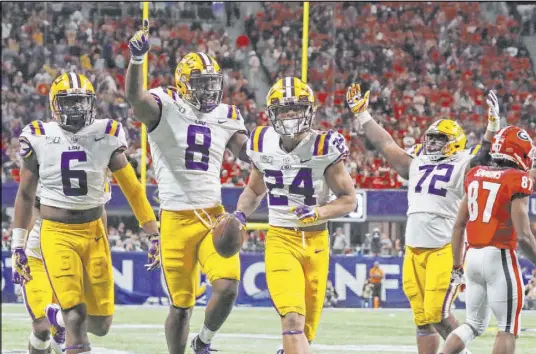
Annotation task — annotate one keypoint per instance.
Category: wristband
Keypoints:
(153, 236)
(137, 60)
(363, 117)
(494, 126)
(18, 238)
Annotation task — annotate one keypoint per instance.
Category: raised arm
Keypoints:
(483, 158)
(378, 137)
(145, 106)
(520, 219)
(458, 233)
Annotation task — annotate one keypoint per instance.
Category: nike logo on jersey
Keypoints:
(304, 161)
(221, 121)
(102, 137)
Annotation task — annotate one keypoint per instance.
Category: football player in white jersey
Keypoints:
(299, 168)
(435, 171)
(189, 130)
(38, 294)
(68, 158)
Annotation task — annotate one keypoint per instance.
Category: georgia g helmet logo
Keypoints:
(522, 134)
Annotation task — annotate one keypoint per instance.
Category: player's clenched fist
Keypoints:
(494, 120)
(357, 103)
(139, 44)
(305, 214)
(154, 253)
(21, 269)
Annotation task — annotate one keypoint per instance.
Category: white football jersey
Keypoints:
(435, 191)
(296, 178)
(72, 166)
(187, 148)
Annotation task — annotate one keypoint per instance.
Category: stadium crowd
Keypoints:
(420, 61)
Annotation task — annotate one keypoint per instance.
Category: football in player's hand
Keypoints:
(228, 235)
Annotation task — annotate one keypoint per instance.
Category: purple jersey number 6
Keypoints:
(194, 146)
(67, 174)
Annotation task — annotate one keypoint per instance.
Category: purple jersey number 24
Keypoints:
(302, 184)
(202, 148)
(440, 173)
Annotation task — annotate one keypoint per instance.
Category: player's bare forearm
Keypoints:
(252, 195)
(150, 227)
(488, 136)
(25, 198)
(384, 143)
(520, 219)
(145, 107)
(238, 145)
(341, 184)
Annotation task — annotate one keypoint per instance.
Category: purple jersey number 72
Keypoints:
(440, 173)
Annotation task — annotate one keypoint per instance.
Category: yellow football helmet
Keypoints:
(291, 106)
(200, 81)
(72, 101)
(444, 138)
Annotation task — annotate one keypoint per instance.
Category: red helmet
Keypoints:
(513, 144)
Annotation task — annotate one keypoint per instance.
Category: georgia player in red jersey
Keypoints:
(495, 213)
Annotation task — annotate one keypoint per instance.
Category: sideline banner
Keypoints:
(134, 285)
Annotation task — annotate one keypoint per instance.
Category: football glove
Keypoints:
(21, 269)
(457, 277)
(306, 214)
(139, 44)
(494, 120)
(240, 216)
(358, 104)
(154, 253)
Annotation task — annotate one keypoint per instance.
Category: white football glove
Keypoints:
(494, 120)
(457, 277)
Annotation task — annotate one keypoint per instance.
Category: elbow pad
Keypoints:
(135, 194)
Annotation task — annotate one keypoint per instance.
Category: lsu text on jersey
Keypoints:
(493, 275)
(187, 150)
(296, 261)
(72, 176)
(435, 191)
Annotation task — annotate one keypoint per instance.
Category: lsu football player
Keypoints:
(435, 171)
(38, 294)
(298, 168)
(189, 129)
(68, 158)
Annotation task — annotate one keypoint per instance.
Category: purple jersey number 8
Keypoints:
(67, 174)
(194, 146)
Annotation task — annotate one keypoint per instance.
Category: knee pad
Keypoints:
(37, 343)
(466, 333)
(426, 330)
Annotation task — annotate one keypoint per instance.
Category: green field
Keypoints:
(138, 329)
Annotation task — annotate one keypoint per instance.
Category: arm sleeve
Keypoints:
(25, 142)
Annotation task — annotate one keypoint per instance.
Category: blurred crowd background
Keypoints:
(421, 61)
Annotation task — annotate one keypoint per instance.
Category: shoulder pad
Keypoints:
(233, 112)
(415, 150)
(113, 128)
(330, 145)
(257, 137)
(474, 150)
(35, 128)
